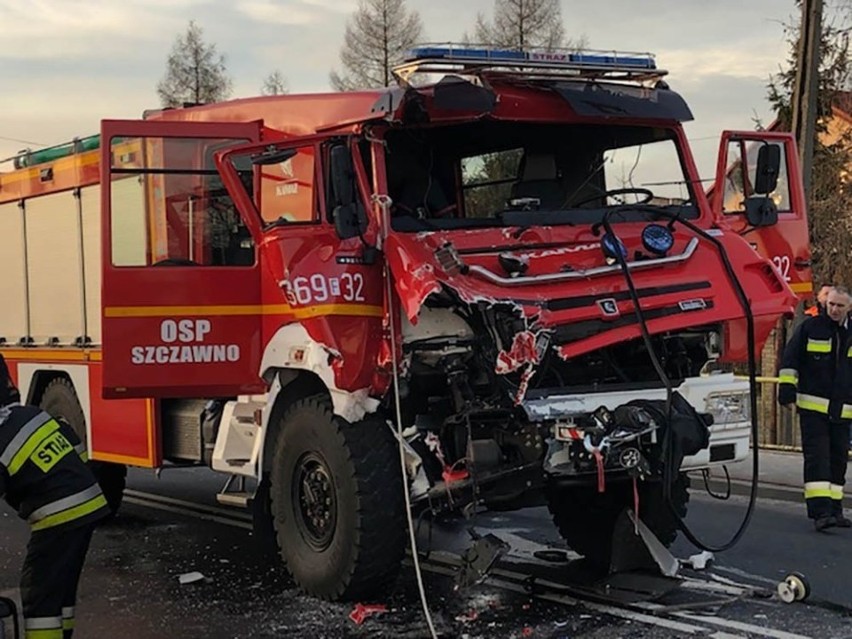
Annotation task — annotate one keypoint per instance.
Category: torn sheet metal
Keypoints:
(523, 353)
(479, 559)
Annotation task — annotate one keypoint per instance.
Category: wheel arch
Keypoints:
(33, 380)
(289, 386)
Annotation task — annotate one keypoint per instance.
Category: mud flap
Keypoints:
(261, 516)
(642, 551)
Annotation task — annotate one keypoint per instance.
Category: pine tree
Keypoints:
(195, 72)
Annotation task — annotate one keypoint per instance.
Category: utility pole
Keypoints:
(806, 89)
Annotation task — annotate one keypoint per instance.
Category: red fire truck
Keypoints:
(491, 285)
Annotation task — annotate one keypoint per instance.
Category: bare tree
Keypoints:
(519, 24)
(377, 36)
(195, 72)
(275, 84)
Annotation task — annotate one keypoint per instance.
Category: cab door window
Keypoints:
(741, 173)
(170, 208)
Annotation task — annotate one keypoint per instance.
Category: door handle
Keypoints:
(802, 263)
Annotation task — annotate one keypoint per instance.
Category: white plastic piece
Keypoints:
(191, 578)
(700, 561)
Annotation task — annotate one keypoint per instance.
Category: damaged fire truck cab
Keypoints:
(503, 271)
(551, 267)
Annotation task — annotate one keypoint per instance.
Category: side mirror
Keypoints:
(350, 220)
(342, 176)
(761, 211)
(768, 166)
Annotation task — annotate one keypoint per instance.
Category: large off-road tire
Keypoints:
(586, 518)
(337, 502)
(60, 400)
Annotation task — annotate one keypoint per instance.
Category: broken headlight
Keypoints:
(728, 407)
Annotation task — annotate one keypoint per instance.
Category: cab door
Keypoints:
(781, 236)
(181, 279)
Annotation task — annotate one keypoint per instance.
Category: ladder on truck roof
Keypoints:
(483, 61)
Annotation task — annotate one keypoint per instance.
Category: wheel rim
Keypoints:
(315, 501)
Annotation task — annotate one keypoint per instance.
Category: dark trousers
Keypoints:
(826, 448)
(49, 580)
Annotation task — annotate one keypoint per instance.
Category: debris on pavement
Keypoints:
(360, 612)
(479, 559)
(699, 561)
(191, 578)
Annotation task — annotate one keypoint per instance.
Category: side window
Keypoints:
(653, 166)
(366, 161)
(487, 181)
(740, 177)
(287, 188)
(169, 208)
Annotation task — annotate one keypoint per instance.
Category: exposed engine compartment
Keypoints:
(470, 367)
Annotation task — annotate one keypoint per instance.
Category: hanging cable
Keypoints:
(752, 371)
(385, 202)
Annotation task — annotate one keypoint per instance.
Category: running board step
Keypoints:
(238, 500)
(234, 492)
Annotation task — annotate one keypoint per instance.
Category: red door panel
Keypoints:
(786, 244)
(181, 283)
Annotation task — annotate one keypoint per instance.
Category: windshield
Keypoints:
(506, 174)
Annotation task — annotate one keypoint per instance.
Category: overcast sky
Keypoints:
(66, 64)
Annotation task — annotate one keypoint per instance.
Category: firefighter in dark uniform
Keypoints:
(816, 375)
(44, 476)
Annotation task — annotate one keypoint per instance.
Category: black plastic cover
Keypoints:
(457, 94)
(616, 101)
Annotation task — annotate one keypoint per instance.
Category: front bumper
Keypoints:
(729, 435)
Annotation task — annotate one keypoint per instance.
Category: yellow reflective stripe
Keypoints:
(812, 402)
(819, 345)
(836, 491)
(82, 452)
(68, 624)
(849, 352)
(817, 489)
(788, 376)
(43, 628)
(846, 412)
(71, 514)
(24, 452)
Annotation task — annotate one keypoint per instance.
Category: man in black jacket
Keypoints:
(816, 374)
(44, 477)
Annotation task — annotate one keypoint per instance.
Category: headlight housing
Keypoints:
(728, 407)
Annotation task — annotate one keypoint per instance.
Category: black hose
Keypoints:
(752, 374)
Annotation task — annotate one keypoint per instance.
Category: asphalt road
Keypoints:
(131, 586)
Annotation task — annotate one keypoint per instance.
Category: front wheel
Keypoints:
(586, 518)
(337, 502)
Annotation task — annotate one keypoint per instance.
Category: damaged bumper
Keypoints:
(720, 395)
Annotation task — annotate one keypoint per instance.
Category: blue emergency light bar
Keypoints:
(527, 65)
(566, 58)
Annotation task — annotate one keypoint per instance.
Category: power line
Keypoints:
(3, 137)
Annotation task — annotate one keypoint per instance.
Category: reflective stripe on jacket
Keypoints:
(42, 471)
(817, 367)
